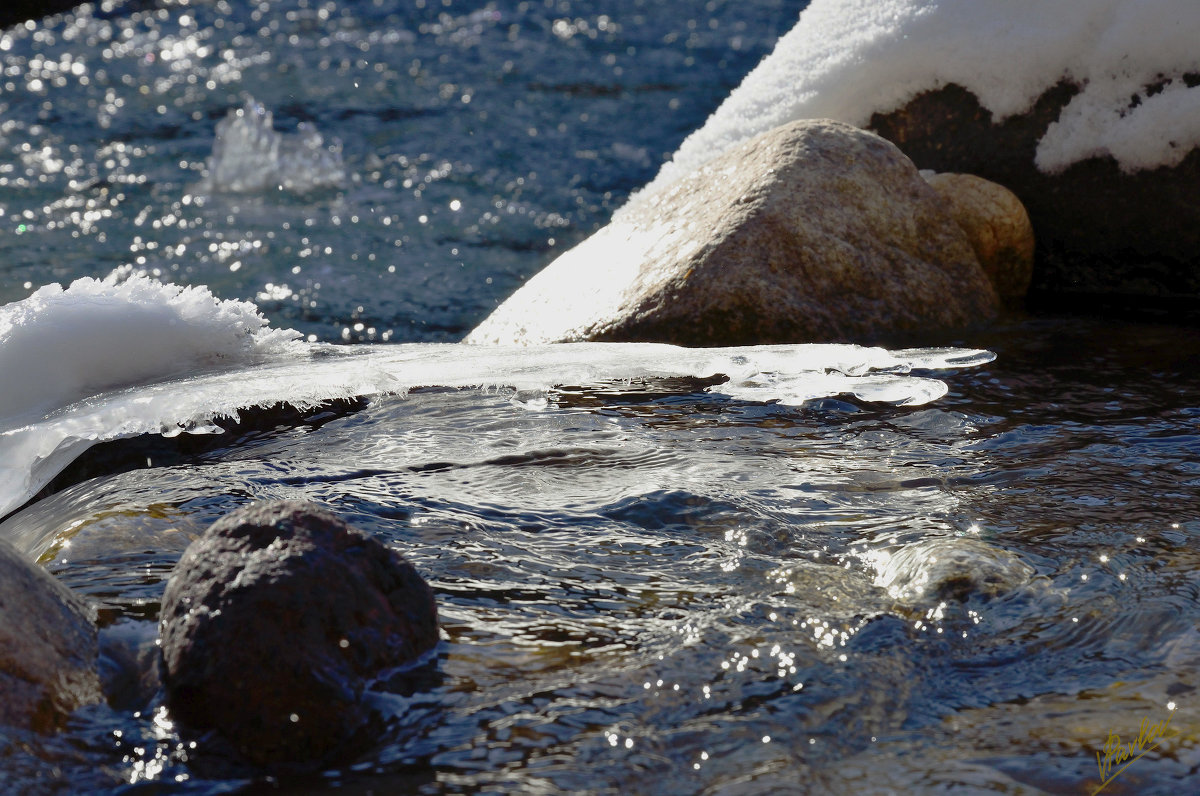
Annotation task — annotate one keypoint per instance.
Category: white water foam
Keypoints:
(250, 156)
(101, 361)
(847, 59)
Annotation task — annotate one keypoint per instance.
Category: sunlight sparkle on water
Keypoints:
(581, 552)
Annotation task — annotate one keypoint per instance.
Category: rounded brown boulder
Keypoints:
(1101, 231)
(996, 225)
(273, 623)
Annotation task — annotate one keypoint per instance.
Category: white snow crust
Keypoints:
(847, 59)
(100, 361)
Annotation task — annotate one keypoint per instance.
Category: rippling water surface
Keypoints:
(645, 587)
(479, 140)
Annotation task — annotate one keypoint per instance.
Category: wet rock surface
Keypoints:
(48, 647)
(273, 623)
(813, 232)
(1099, 230)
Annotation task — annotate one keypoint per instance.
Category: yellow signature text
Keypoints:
(1124, 755)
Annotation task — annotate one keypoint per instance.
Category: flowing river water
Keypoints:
(644, 586)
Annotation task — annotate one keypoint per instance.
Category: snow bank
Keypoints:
(58, 346)
(846, 59)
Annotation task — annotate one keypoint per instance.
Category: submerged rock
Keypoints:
(1100, 229)
(48, 647)
(951, 568)
(273, 623)
(997, 227)
(813, 231)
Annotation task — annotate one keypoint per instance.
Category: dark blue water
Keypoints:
(480, 139)
(645, 588)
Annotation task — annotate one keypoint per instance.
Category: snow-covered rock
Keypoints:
(1100, 230)
(1132, 62)
(813, 231)
(1089, 111)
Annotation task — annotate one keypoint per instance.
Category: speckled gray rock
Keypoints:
(952, 568)
(274, 621)
(48, 646)
(815, 231)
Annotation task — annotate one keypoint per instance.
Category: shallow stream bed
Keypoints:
(644, 587)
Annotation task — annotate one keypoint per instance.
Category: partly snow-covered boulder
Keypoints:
(814, 231)
(1089, 111)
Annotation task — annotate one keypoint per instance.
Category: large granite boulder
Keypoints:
(48, 647)
(273, 623)
(1099, 229)
(815, 231)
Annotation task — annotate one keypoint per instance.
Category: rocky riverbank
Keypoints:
(273, 624)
